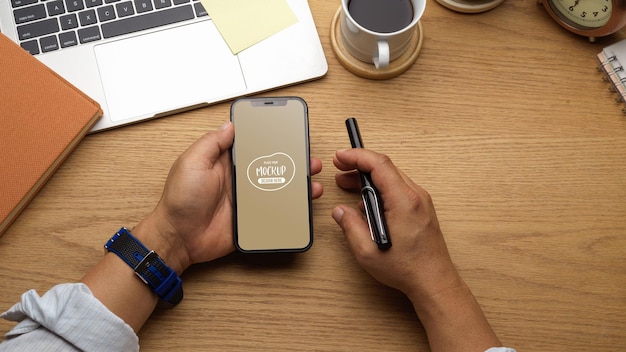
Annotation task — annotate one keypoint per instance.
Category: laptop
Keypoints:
(142, 59)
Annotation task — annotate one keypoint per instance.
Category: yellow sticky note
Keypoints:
(243, 23)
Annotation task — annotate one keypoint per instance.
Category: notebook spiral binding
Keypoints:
(614, 73)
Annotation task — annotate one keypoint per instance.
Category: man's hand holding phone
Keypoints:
(194, 216)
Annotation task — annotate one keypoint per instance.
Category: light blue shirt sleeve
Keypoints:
(500, 349)
(66, 318)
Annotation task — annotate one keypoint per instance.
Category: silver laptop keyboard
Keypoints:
(49, 25)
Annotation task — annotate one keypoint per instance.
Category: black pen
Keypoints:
(374, 210)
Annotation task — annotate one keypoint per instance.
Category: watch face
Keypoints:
(583, 14)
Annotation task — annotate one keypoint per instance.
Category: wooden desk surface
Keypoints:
(503, 118)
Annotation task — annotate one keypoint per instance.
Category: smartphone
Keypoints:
(272, 209)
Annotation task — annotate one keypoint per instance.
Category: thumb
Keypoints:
(213, 144)
(354, 227)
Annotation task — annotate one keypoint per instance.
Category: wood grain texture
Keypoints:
(503, 119)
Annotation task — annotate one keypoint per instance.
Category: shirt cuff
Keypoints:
(71, 312)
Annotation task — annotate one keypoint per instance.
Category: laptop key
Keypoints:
(89, 34)
(49, 43)
(32, 46)
(74, 5)
(69, 22)
(29, 14)
(143, 5)
(93, 3)
(200, 11)
(68, 39)
(106, 13)
(125, 9)
(147, 21)
(38, 29)
(87, 17)
(161, 4)
(55, 7)
(18, 3)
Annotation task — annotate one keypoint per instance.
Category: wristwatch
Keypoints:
(147, 265)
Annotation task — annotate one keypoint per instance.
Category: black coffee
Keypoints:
(383, 16)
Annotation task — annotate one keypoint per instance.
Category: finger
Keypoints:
(211, 145)
(339, 164)
(316, 190)
(315, 165)
(349, 181)
(354, 227)
(385, 174)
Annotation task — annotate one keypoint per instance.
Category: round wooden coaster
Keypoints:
(367, 70)
(470, 6)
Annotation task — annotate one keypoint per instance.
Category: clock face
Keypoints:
(583, 14)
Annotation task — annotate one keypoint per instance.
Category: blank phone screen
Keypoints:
(271, 176)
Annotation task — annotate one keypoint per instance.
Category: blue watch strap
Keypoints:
(147, 265)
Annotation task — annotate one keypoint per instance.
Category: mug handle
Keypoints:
(382, 59)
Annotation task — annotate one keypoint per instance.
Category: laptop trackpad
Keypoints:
(168, 70)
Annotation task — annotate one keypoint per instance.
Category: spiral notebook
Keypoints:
(611, 62)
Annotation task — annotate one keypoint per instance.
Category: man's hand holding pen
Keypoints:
(418, 264)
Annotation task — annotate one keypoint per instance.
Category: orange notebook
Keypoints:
(42, 119)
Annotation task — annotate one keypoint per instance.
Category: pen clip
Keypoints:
(373, 215)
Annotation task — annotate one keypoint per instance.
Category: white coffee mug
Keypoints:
(377, 47)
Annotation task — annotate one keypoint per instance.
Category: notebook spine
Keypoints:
(614, 73)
